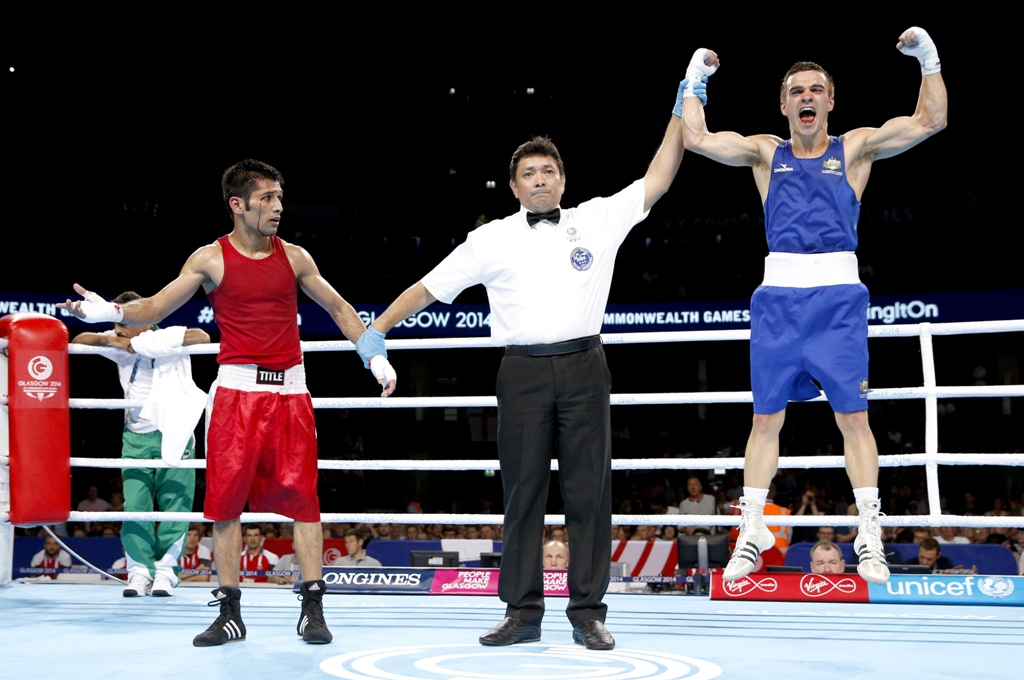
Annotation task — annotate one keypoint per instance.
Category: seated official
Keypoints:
(827, 558)
(556, 555)
(357, 557)
(929, 554)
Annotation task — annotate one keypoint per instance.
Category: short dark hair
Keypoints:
(250, 527)
(905, 535)
(801, 66)
(538, 146)
(242, 177)
(127, 296)
(930, 544)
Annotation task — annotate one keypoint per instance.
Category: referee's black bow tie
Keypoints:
(534, 218)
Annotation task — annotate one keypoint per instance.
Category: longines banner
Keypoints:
(440, 320)
(901, 589)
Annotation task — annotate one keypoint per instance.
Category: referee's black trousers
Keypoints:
(541, 400)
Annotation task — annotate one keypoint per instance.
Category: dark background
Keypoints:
(117, 129)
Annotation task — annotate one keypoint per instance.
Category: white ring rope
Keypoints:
(930, 392)
(659, 520)
(732, 463)
(639, 399)
(876, 331)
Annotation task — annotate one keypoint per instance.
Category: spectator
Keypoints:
(929, 554)
(827, 558)
(93, 502)
(558, 533)
(949, 535)
(254, 558)
(196, 557)
(826, 534)
(356, 557)
(289, 562)
(51, 557)
(997, 509)
(697, 503)
(640, 533)
(556, 555)
(808, 506)
(847, 534)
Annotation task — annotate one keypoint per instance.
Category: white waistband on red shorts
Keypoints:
(798, 270)
(250, 378)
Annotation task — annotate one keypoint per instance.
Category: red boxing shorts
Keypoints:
(261, 445)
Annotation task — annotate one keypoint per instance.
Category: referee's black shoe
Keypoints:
(593, 635)
(312, 626)
(510, 632)
(228, 627)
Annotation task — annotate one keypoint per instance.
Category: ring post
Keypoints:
(38, 421)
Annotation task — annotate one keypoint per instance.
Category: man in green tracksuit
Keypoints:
(154, 370)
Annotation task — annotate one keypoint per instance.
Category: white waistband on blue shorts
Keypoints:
(244, 377)
(798, 270)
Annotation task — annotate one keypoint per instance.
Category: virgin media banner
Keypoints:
(901, 589)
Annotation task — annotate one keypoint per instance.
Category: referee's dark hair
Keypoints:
(538, 146)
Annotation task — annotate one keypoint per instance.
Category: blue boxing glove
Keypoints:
(699, 89)
(370, 344)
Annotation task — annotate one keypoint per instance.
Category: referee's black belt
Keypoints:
(555, 348)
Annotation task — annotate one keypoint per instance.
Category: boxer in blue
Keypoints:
(809, 317)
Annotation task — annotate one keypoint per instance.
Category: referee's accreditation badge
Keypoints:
(581, 259)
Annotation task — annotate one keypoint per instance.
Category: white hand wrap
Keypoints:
(97, 310)
(924, 50)
(382, 370)
(696, 70)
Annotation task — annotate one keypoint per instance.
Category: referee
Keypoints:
(547, 272)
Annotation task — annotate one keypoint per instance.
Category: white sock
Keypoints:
(865, 493)
(756, 497)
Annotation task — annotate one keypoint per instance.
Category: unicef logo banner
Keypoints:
(950, 589)
(551, 662)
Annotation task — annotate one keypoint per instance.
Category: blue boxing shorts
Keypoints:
(802, 334)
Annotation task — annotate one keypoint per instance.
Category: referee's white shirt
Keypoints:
(546, 283)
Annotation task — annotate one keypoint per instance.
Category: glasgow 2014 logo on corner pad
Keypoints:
(581, 258)
(537, 660)
(40, 368)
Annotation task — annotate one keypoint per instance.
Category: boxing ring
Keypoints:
(658, 636)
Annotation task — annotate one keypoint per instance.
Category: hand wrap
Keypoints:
(97, 310)
(382, 370)
(924, 50)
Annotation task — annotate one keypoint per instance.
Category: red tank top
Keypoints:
(256, 305)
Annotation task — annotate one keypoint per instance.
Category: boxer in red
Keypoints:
(261, 445)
